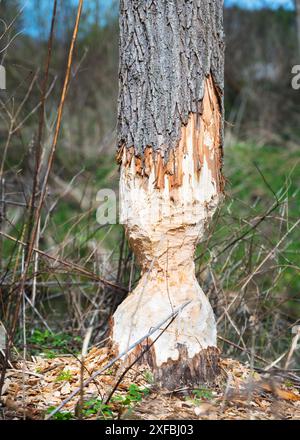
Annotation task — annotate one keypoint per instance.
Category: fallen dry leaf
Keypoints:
(66, 389)
(204, 409)
(246, 398)
(279, 392)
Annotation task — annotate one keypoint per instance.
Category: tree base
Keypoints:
(183, 353)
(203, 368)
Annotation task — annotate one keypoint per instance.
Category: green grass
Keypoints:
(64, 376)
(53, 344)
(256, 176)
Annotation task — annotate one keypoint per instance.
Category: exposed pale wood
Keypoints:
(165, 212)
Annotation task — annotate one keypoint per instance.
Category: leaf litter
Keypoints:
(31, 388)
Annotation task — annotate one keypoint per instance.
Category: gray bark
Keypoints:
(166, 50)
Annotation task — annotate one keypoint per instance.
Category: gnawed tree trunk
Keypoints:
(170, 137)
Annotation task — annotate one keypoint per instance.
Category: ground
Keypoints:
(32, 389)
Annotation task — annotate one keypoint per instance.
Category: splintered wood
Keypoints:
(205, 128)
(29, 390)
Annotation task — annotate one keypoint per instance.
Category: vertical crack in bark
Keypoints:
(167, 49)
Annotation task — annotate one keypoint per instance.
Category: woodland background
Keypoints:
(254, 237)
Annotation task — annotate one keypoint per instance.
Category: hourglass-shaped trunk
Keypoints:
(170, 154)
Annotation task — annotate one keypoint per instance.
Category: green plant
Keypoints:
(133, 395)
(96, 406)
(60, 415)
(148, 376)
(52, 344)
(288, 384)
(200, 394)
(64, 376)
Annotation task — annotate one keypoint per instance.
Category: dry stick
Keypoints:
(68, 264)
(113, 361)
(38, 149)
(293, 348)
(270, 253)
(147, 348)
(261, 219)
(273, 208)
(38, 314)
(54, 142)
(258, 268)
(9, 340)
(35, 108)
(238, 332)
(242, 349)
(45, 182)
(35, 267)
(2, 213)
(274, 363)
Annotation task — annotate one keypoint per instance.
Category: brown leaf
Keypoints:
(279, 392)
(66, 389)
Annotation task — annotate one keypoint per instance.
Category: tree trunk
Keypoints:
(170, 136)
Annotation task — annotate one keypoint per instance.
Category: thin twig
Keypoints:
(270, 254)
(70, 265)
(114, 360)
(147, 348)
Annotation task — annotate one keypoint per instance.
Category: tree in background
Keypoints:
(9, 10)
(170, 136)
(297, 6)
(10, 23)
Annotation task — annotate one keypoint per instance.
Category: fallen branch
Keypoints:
(227, 341)
(28, 372)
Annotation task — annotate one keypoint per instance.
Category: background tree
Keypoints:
(170, 149)
(297, 6)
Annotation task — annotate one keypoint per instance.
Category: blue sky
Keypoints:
(46, 7)
(252, 4)
(244, 3)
